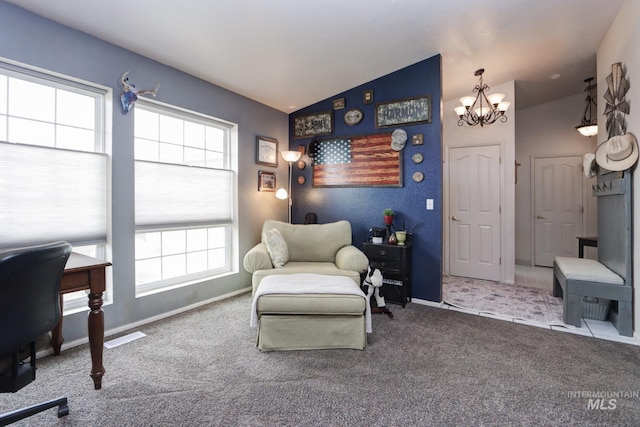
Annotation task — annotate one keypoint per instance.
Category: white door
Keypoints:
(558, 208)
(474, 212)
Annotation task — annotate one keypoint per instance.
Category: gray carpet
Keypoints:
(426, 366)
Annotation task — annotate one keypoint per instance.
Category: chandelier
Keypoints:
(589, 126)
(483, 109)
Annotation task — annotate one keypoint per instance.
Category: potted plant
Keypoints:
(388, 216)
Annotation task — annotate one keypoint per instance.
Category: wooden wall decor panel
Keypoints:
(358, 161)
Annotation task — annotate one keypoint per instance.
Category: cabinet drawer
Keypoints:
(388, 265)
(383, 252)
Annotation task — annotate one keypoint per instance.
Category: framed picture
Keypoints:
(266, 181)
(368, 96)
(313, 125)
(404, 111)
(338, 104)
(267, 151)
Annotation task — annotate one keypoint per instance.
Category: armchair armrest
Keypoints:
(257, 259)
(352, 259)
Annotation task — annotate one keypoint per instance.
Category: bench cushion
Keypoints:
(587, 270)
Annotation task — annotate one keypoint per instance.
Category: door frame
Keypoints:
(446, 201)
(532, 214)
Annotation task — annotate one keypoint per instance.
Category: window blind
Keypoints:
(51, 194)
(168, 195)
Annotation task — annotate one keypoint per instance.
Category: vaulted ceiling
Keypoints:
(292, 53)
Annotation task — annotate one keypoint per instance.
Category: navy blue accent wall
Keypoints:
(363, 206)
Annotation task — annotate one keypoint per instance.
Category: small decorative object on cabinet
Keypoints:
(393, 240)
(396, 268)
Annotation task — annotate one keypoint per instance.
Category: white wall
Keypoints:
(621, 44)
(548, 130)
(502, 134)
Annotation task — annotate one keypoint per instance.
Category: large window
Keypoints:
(53, 165)
(184, 195)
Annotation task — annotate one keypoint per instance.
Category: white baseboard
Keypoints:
(137, 324)
(426, 302)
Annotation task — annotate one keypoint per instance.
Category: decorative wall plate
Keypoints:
(418, 176)
(301, 179)
(301, 164)
(398, 139)
(417, 158)
(353, 116)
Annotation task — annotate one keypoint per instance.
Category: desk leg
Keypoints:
(96, 338)
(56, 333)
(581, 249)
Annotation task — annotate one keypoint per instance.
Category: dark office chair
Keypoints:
(29, 309)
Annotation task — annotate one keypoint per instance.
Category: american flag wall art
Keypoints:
(359, 161)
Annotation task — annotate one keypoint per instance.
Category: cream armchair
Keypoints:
(312, 248)
(334, 314)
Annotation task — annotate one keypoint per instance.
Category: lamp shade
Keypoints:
(291, 156)
(496, 98)
(467, 101)
(504, 106)
(589, 130)
(282, 193)
(460, 110)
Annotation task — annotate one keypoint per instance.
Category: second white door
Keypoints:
(558, 208)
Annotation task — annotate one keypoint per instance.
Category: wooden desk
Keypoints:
(586, 241)
(80, 273)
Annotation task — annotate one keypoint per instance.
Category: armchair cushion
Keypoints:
(277, 247)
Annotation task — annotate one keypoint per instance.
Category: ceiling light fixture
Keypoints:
(589, 126)
(484, 109)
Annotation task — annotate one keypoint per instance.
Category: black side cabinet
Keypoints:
(395, 261)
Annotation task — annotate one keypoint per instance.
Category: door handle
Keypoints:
(454, 218)
(540, 217)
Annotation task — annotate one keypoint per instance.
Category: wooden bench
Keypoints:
(610, 277)
(577, 278)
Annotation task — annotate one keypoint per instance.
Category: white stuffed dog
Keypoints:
(374, 282)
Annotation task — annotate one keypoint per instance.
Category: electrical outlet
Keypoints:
(429, 204)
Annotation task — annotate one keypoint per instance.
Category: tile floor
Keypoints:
(542, 278)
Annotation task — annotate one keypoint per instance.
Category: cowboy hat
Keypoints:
(589, 165)
(618, 153)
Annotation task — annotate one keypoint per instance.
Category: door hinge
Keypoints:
(500, 261)
(582, 209)
(500, 209)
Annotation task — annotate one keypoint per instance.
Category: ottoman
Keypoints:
(310, 311)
